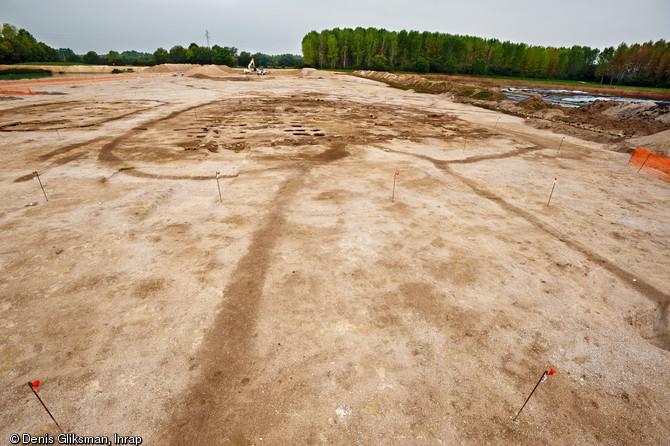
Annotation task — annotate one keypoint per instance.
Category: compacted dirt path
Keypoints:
(306, 306)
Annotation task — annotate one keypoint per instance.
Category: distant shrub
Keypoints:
(25, 71)
(483, 95)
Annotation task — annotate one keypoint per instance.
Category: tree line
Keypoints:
(223, 56)
(21, 46)
(646, 64)
(18, 46)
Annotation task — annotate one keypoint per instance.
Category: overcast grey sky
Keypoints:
(275, 27)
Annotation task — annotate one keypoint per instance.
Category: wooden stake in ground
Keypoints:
(552, 191)
(58, 133)
(219, 187)
(494, 127)
(559, 146)
(465, 141)
(645, 162)
(37, 175)
(393, 196)
(33, 386)
(542, 379)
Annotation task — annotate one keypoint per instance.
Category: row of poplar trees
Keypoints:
(646, 64)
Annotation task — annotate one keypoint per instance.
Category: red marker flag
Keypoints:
(544, 377)
(393, 195)
(33, 386)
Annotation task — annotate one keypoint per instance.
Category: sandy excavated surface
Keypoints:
(307, 307)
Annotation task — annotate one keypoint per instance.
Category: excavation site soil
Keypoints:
(373, 265)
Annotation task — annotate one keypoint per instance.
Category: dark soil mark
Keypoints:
(626, 277)
(216, 409)
(236, 147)
(640, 285)
(333, 154)
(68, 123)
(116, 118)
(51, 93)
(106, 153)
(131, 171)
(231, 78)
(14, 110)
(24, 178)
(36, 125)
(62, 150)
(336, 152)
(516, 152)
(660, 336)
(67, 159)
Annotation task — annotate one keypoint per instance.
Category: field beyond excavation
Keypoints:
(311, 302)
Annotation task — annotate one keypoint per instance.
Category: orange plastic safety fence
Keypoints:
(16, 91)
(22, 86)
(652, 163)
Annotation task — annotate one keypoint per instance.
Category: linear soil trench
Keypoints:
(651, 292)
(106, 153)
(660, 334)
(215, 408)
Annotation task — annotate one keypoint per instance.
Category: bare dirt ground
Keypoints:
(619, 126)
(308, 307)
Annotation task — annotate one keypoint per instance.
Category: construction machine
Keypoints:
(252, 68)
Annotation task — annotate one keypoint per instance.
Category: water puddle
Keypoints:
(565, 98)
(14, 77)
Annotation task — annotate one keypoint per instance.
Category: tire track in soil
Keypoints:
(214, 410)
(640, 285)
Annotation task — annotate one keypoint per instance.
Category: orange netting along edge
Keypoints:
(652, 163)
(18, 91)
